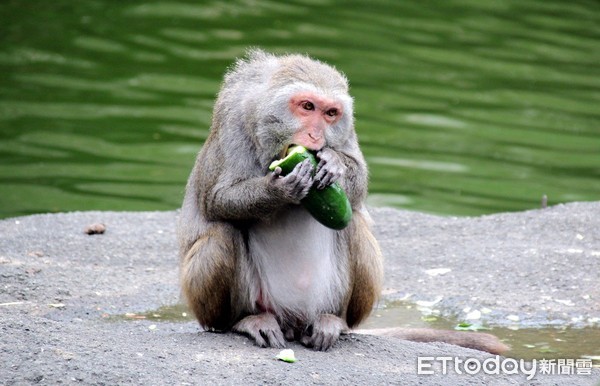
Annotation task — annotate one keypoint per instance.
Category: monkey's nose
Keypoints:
(315, 136)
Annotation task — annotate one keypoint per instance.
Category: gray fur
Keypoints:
(246, 246)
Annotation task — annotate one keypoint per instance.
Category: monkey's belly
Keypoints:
(296, 267)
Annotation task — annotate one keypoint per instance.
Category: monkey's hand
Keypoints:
(330, 168)
(295, 185)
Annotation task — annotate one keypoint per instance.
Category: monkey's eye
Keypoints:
(306, 105)
(332, 112)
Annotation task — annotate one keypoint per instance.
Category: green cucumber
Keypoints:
(295, 155)
(329, 206)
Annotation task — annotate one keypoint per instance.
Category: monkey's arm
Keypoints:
(257, 197)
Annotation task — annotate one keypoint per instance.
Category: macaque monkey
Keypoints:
(252, 259)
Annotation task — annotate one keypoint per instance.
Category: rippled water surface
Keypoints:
(462, 107)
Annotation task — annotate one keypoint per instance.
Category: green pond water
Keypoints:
(462, 107)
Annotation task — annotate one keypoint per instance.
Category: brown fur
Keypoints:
(207, 276)
(367, 263)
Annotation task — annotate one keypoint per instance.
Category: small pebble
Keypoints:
(95, 229)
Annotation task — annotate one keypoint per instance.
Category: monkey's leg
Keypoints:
(207, 275)
(366, 265)
(263, 328)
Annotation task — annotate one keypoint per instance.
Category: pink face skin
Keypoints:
(316, 113)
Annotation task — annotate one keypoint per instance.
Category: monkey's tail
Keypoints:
(475, 340)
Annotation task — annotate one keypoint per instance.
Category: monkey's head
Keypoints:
(300, 101)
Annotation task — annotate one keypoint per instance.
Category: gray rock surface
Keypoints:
(63, 295)
(542, 266)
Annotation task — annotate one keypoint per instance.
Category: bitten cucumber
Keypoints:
(329, 206)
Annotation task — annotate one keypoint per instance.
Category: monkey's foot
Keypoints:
(324, 332)
(263, 329)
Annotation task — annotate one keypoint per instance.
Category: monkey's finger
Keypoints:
(327, 157)
(275, 339)
(276, 173)
(318, 341)
(306, 341)
(326, 178)
(323, 179)
(296, 168)
(303, 168)
(321, 168)
(296, 172)
(289, 335)
(328, 341)
(320, 174)
(306, 173)
(258, 338)
(301, 176)
(249, 327)
(305, 185)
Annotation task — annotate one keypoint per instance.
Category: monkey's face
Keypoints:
(303, 114)
(315, 114)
